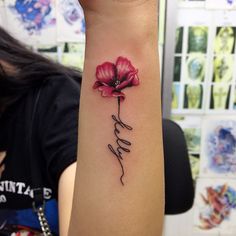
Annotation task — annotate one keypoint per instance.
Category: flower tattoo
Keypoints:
(111, 79)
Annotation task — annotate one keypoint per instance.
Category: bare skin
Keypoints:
(9, 69)
(102, 205)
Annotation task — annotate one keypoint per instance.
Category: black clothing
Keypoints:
(56, 132)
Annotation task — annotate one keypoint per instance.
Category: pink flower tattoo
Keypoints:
(111, 79)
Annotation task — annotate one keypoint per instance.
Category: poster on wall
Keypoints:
(72, 54)
(204, 63)
(192, 3)
(70, 21)
(234, 98)
(215, 206)
(218, 147)
(221, 4)
(204, 87)
(191, 126)
(190, 62)
(2, 13)
(49, 51)
(223, 66)
(2, 3)
(32, 21)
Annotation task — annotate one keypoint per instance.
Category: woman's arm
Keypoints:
(119, 180)
(65, 197)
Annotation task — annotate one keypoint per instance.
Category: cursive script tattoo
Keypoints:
(122, 144)
(111, 79)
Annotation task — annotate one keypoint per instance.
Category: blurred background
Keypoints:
(199, 93)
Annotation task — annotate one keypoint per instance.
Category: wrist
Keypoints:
(114, 7)
(136, 28)
(117, 14)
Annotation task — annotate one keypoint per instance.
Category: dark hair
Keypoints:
(30, 69)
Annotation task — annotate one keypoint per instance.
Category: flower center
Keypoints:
(117, 82)
(114, 82)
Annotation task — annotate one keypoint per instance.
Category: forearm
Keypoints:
(119, 182)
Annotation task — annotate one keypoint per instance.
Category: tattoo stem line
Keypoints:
(111, 79)
(122, 144)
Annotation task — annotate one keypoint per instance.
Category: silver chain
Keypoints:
(43, 221)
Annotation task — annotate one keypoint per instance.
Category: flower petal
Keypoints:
(132, 80)
(123, 85)
(106, 72)
(111, 92)
(133, 77)
(106, 91)
(97, 84)
(123, 66)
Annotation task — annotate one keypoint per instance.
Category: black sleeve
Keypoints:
(1, 141)
(59, 126)
(2, 136)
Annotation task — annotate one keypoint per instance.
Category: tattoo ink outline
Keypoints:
(119, 141)
(110, 80)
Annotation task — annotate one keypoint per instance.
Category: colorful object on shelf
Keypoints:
(222, 150)
(34, 14)
(219, 202)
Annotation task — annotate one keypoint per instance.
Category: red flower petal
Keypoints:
(132, 80)
(111, 92)
(112, 78)
(106, 91)
(105, 72)
(133, 76)
(123, 67)
(123, 85)
(97, 84)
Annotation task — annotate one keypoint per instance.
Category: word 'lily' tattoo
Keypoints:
(111, 79)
